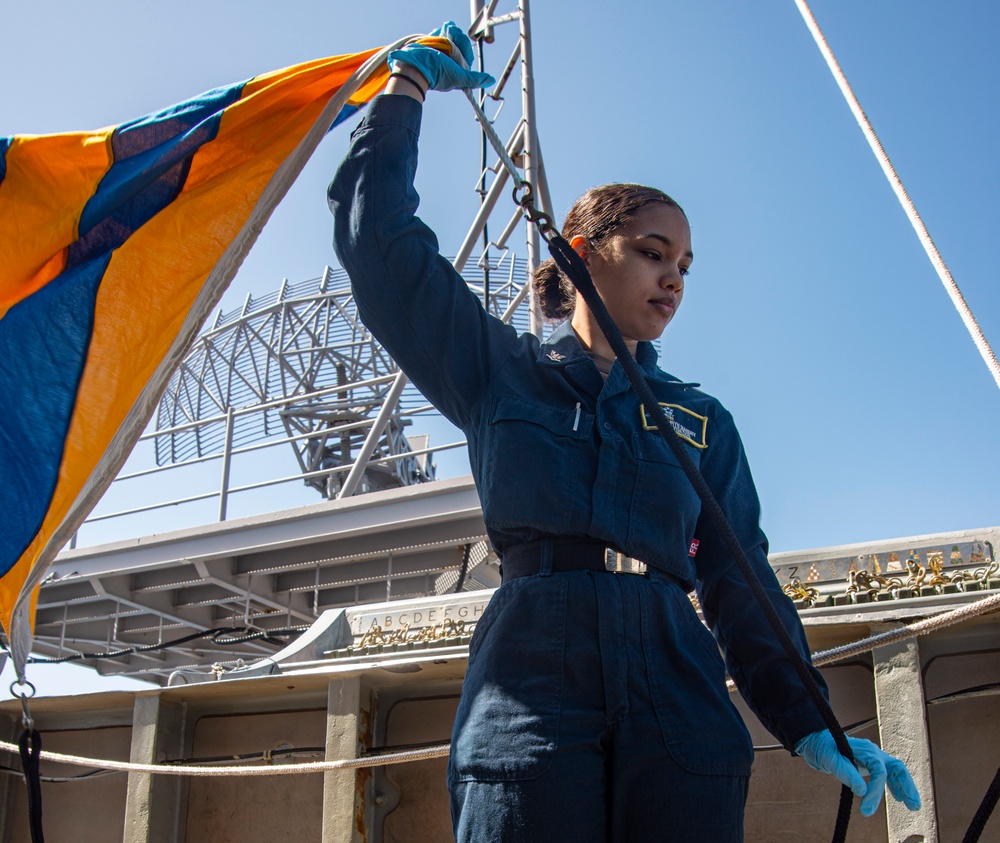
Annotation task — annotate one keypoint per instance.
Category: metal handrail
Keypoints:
(302, 475)
(227, 451)
(268, 405)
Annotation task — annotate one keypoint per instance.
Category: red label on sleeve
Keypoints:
(694, 547)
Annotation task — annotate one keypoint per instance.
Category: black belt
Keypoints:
(523, 560)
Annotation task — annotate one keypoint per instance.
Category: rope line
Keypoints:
(950, 286)
(498, 145)
(30, 747)
(984, 811)
(256, 770)
(981, 607)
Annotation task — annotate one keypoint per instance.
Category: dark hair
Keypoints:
(596, 215)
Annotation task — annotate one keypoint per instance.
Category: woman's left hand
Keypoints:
(820, 752)
(443, 72)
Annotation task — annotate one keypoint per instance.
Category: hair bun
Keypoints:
(554, 291)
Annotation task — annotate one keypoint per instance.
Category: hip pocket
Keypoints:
(701, 727)
(507, 724)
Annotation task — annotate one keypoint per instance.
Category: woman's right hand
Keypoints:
(820, 752)
(440, 71)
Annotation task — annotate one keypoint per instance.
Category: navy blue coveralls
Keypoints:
(594, 706)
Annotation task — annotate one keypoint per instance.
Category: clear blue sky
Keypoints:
(811, 312)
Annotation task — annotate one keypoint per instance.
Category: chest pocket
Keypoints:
(535, 465)
(665, 506)
(650, 447)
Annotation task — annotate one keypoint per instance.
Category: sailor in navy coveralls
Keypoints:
(595, 705)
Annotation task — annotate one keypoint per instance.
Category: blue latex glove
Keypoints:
(442, 72)
(820, 752)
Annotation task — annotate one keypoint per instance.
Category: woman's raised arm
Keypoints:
(408, 295)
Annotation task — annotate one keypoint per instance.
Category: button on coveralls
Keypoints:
(594, 706)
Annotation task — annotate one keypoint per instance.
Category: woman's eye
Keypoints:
(652, 254)
(685, 270)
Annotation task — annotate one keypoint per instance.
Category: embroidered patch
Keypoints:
(693, 550)
(555, 356)
(690, 426)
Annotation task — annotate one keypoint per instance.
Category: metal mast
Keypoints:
(523, 145)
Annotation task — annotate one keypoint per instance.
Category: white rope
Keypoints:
(904, 198)
(980, 607)
(258, 770)
(498, 145)
(484, 121)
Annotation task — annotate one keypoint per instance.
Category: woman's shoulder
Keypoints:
(688, 391)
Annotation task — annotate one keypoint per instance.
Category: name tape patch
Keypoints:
(690, 426)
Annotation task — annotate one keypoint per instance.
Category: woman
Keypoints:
(594, 706)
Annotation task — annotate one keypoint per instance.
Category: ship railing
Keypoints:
(222, 488)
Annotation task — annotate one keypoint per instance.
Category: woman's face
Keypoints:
(639, 270)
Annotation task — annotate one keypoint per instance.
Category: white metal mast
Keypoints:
(523, 142)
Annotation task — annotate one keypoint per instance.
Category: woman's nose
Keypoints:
(672, 280)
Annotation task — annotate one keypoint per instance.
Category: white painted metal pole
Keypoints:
(904, 198)
(368, 448)
(227, 459)
(530, 157)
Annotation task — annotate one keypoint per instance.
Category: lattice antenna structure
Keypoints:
(302, 357)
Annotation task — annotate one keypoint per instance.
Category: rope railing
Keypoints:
(932, 624)
(402, 757)
(945, 619)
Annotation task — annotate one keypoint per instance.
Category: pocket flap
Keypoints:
(572, 422)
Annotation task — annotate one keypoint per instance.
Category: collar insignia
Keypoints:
(555, 356)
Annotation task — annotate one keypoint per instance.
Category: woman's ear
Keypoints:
(581, 246)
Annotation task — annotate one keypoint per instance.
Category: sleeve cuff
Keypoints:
(393, 110)
(798, 723)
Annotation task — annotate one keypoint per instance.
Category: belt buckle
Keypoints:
(619, 563)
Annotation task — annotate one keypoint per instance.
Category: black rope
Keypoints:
(222, 636)
(985, 810)
(14, 771)
(32, 778)
(575, 269)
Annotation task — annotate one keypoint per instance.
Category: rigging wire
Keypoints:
(221, 636)
(950, 286)
(465, 568)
